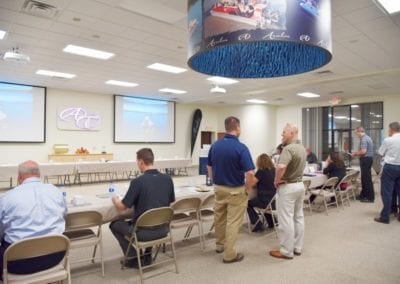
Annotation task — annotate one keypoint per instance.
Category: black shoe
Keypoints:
(366, 200)
(132, 263)
(359, 197)
(257, 229)
(379, 220)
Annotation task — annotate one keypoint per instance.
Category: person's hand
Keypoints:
(115, 198)
(353, 153)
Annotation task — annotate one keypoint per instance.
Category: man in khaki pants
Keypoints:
(290, 194)
(229, 163)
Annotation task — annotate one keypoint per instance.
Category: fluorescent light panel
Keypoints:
(55, 74)
(121, 83)
(166, 68)
(308, 95)
(222, 80)
(2, 34)
(354, 106)
(173, 91)
(89, 52)
(256, 101)
(391, 6)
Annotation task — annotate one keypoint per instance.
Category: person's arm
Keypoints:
(250, 180)
(118, 203)
(209, 172)
(279, 173)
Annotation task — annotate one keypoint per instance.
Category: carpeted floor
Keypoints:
(345, 247)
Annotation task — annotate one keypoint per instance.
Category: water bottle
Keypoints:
(208, 180)
(111, 188)
(64, 192)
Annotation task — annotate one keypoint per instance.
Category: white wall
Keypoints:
(258, 126)
(97, 141)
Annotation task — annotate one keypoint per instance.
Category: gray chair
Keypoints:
(151, 219)
(327, 192)
(35, 247)
(78, 228)
(307, 194)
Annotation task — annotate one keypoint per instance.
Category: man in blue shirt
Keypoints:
(366, 154)
(232, 169)
(29, 210)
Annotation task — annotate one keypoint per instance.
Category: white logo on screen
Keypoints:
(80, 118)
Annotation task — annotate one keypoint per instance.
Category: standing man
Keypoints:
(290, 194)
(390, 180)
(151, 190)
(29, 210)
(232, 169)
(366, 154)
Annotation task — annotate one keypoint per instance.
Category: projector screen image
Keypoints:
(22, 113)
(143, 120)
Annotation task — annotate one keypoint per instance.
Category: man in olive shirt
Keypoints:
(290, 194)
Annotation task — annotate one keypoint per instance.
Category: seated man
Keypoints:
(311, 157)
(150, 190)
(29, 210)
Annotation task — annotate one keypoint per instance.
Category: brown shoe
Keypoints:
(277, 254)
(239, 257)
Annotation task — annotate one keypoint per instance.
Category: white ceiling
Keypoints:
(366, 52)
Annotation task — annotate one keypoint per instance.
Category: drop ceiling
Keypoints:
(366, 56)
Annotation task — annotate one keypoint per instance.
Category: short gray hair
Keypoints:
(395, 126)
(29, 168)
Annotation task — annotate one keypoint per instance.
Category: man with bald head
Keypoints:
(29, 210)
(290, 194)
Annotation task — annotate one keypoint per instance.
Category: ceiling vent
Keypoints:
(40, 9)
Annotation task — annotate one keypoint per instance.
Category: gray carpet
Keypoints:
(345, 247)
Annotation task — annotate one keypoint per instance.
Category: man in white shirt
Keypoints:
(29, 210)
(390, 180)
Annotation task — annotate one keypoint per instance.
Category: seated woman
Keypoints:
(264, 181)
(334, 168)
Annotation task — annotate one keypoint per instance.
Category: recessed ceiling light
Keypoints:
(217, 89)
(256, 101)
(121, 83)
(89, 52)
(166, 68)
(173, 91)
(308, 95)
(222, 80)
(391, 6)
(2, 34)
(55, 74)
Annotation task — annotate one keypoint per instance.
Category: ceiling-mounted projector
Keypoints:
(217, 89)
(14, 55)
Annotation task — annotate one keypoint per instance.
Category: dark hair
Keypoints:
(395, 126)
(231, 123)
(337, 159)
(264, 162)
(146, 155)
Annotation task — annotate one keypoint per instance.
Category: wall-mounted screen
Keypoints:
(22, 113)
(142, 120)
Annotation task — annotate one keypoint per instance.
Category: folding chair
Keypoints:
(78, 229)
(151, 219)
(343, 193)
(352, 186)
(307, 194)
(206, 214)
(35, 247)
(186, 214)
(261, 217)
(327, 192)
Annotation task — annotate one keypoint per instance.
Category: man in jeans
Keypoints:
(390, 180)
(366, 154)
(229, 163)
(290, 194)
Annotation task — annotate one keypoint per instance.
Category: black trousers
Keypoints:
(367, 191)
(255, 202)
(122, 228)
(29, 265)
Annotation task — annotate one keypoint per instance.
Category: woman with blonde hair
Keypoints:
(264, 182)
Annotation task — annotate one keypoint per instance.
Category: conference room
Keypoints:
(84, 118)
